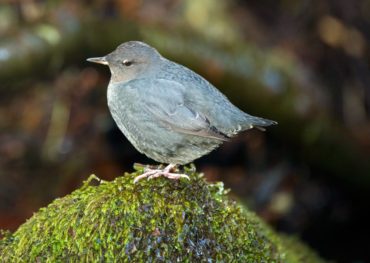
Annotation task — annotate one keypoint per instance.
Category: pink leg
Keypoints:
(166, 172)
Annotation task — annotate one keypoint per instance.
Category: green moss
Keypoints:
(159, 220)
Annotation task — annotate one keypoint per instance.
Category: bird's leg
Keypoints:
(166, 172)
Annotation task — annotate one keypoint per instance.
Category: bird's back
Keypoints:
(205, 98)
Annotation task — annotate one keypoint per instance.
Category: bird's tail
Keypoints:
(260, 123)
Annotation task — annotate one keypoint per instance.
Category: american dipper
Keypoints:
(168, 112)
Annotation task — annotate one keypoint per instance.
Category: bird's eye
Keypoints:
(127, 63)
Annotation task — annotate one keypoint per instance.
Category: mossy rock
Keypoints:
(159, 220)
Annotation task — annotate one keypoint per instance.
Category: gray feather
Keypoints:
(167, 111)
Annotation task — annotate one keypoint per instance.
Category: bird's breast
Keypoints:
(119, 106)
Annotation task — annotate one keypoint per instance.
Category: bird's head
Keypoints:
(130, 60)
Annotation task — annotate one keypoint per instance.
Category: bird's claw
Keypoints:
(166, 172)
(173, 176)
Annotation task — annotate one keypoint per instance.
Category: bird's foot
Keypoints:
(166, 172)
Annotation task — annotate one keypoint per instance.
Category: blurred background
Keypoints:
(302, 63)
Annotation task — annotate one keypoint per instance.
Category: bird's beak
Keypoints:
(101, 60)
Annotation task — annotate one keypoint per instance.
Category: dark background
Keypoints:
(303, 63)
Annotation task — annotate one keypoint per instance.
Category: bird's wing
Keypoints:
(164, 99)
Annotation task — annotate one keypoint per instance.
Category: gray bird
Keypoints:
(168, 112)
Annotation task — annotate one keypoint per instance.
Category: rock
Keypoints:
(160, 220)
